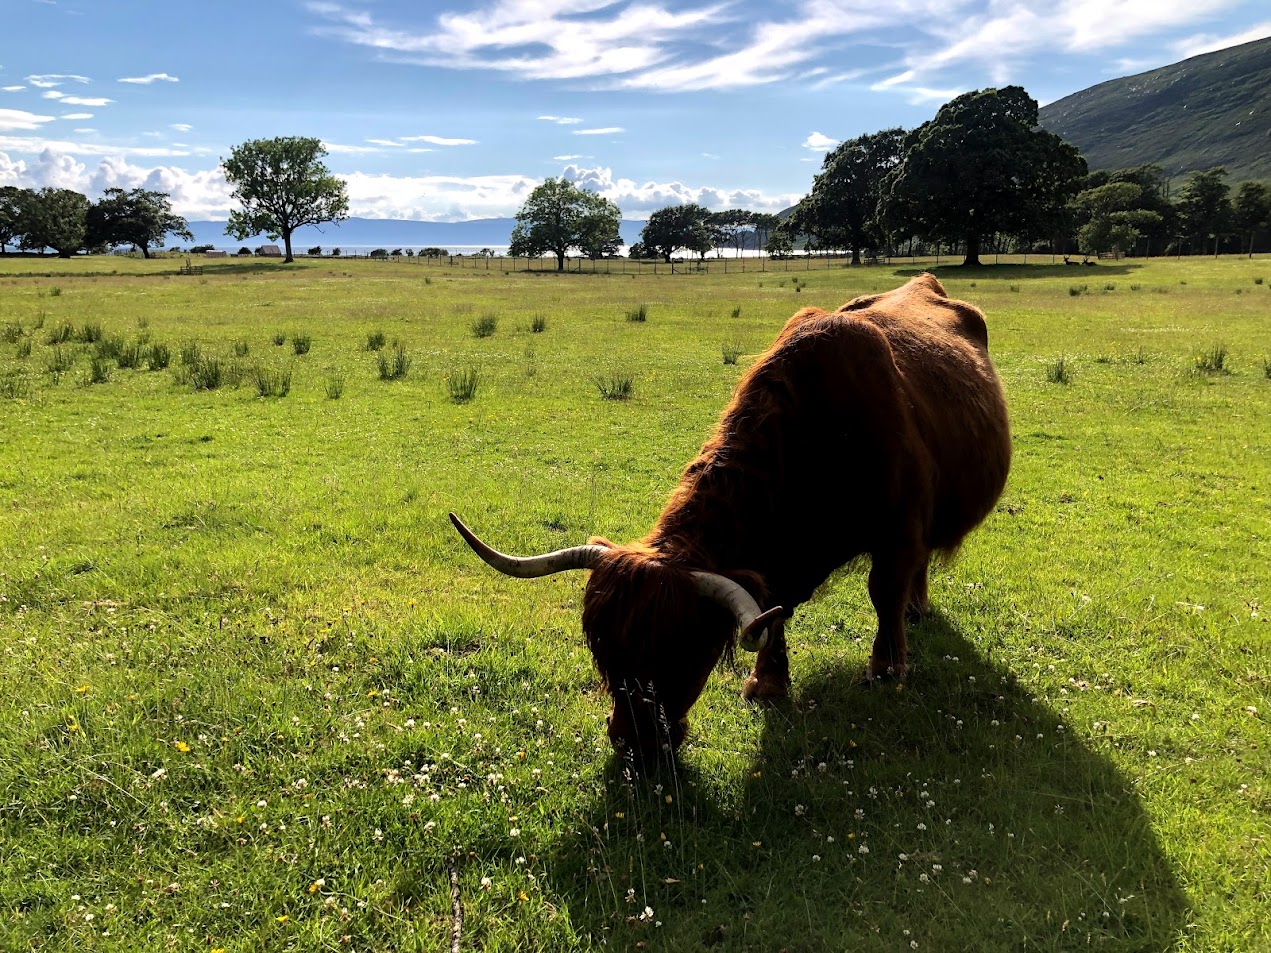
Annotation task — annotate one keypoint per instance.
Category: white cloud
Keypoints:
(18, 119)
(84, 131)
(181, 126)
(78, 116)
(31, 145)
(559, 120)
(12, 89)
(606, 131)
(440, 141)
(52, 80)
(339, 148)
(61, 97)
(148, 79)
(638, 200)
(568, 158)
(819, 143)
(385, 142)
(1206, 43)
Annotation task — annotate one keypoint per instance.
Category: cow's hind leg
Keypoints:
(891, 582)
(771, 678)
(919, 602)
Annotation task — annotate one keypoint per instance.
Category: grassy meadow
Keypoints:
(257, 695)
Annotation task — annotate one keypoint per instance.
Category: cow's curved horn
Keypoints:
(530, 567)
(753, 622)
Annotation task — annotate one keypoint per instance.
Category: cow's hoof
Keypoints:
(916, 615)
(877, 670)
(765, 690)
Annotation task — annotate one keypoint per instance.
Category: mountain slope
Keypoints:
(1210, 110)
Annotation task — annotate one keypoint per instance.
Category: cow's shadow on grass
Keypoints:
(954, 812)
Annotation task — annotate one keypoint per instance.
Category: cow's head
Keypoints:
(654, 629)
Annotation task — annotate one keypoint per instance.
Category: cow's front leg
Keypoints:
(919, 601)
(891, 582)
(770, 680)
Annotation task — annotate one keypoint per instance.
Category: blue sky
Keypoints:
(454, 109)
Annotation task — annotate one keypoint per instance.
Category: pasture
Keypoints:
(258, 695)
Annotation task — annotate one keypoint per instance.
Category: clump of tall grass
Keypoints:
(300, 344)
(1266, 368)
(99, 370)
(242, 348)
(737, 311)
(1110, 286)
(58, 361)
(12, 333)
(375, 341)
(158, 357)
(130, 354)
(60, 334)
(280, 338)
(731, 350)
(1212, 361)
(640, 314)
(190, 353)
(396, 366)
(55, 291)
(1013, 288)
(270, 382)
(24, 348)
(13, 386)
(1258, 280)
(462, 384)
(616, 385)
(107, 348)
(538, 324)
(1059, 372)
(335, 386)
(206, 373)
(1075, 290)
(484, 326)
(89, 333)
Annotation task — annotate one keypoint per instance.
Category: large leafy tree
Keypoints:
(54, 218)
(981, 166)
(841, 211)
(139, 217)
(679, 226)
(558, 216)
(1115, 217)
(282, 184)
(1252, 210)
(1204, 206)
(12, 201)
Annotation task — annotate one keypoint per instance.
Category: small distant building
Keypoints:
(213, 253)
(269, 251)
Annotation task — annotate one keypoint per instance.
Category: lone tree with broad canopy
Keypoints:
(282, 185)
(54, 218)
(558, 216)
(841, 210)
(981, 166)
(140, 217)
(679, 226)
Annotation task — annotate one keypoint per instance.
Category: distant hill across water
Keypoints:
(1209, 110)
(361, 235)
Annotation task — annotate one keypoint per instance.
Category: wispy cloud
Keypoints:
(439, 140)
(65, 100)
(1207, 43)
(78, 116)
(559, 120)
(18, 119)
(51, 80)
(605, 131)
(569, 158)
(819, 143)
(148, 79)
(386, 142)
(22, 144)
(12, 89)
(181, 126)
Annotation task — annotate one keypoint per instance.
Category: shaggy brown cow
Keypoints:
(878, 429)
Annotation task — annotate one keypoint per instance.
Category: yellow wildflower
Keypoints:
(182, 747)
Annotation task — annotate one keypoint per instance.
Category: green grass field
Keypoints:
(255, 693)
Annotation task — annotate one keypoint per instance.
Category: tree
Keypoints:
(54, 218)
(1203, 206)
(981, 166)
(763, 224)
(1252, 210)
(678, 226)
(841, 210)
(558, 216)
(12, 202)
(282, 185)
(1115, 218)
(140, 217)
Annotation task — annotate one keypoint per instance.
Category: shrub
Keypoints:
(241, 348)
(640, 314)
(315, 251)
(538, 324)
(379, 253)
(335, 253)
(1059, 372)
(396, 253)
(55, 292)
(617, 385)
(737, 311)
(462, 385)
(1013, 288)
(1075, 290)
(300, 343)
(279, 339)
(335, 386)
(1257, 281)
(1136, 287)
(396, 367)
(731, 351)
(375, 340)
(159, 357)
(1213, 361)
(485, 326)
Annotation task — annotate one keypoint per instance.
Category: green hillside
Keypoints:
(1210, 110)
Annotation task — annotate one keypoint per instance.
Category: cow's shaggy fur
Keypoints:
(879, 429)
